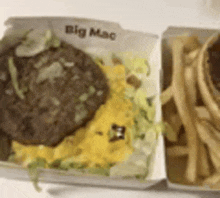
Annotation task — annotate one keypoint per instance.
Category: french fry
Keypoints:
(215, 186)
(166, 95)
(213, 180)
(213, 141)
(177, 151)
(204, 166)
(191, 56)
(171, 116)
(204, 89)
(207, 136)
(191, 43)
(202, 112)
(175, 123)
(190, 83)
(186, 113)
(215, 131)
(215, 160)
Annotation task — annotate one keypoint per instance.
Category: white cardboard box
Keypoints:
(84, 33)
(166, 43)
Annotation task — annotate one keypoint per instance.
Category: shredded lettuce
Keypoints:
(11, 158)
(11, 38)
(71, 164)
(99, 171)
(34, 172)
(14, 77)
(138, 164)
(141, 65)
(145, 132)
(145, 135)
(37, 41)
(136, 65)
(55, 42)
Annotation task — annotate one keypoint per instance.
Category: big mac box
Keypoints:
(80, 103)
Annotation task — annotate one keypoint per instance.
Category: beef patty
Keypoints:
(61, 88)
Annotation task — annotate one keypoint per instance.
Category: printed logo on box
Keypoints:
(93, 32)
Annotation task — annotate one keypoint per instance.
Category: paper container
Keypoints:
(87, 35)
(178, 167)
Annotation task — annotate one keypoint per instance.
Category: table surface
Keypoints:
(152, 16)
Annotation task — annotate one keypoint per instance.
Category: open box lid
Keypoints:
(102, 38)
